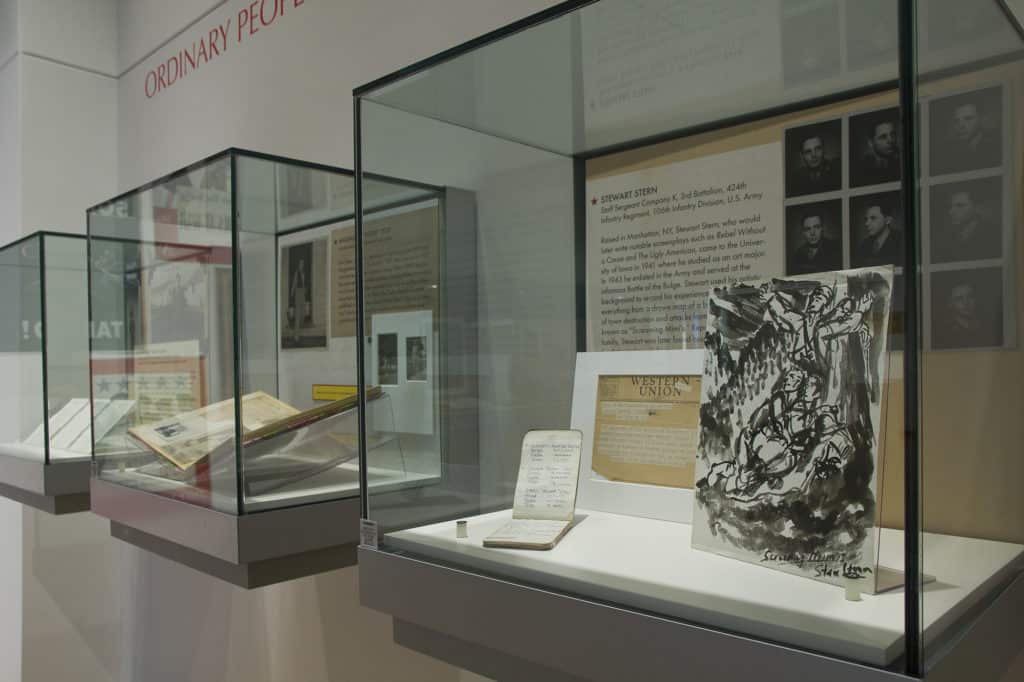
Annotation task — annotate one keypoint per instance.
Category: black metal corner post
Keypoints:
(579, 200)
(579, 182)
(364, 493)
(911, 379)
(89, 320)
(236, 342)
(44, 354)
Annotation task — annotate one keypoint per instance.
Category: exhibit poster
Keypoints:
(646, 429)
(401, 266)
(659, 238)
(343, 282)
(400, 355)
(794, 379)
(303, 295)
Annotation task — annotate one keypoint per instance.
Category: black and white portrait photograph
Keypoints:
(875, 147)
(871, 33)
(967, 308)
(814, 158)
(416, 358)
(814, 237)
(810, 41)
(303, 295)
(966, 220)
(965, 131)
(876, 230)
(956, 24)
(387, 359)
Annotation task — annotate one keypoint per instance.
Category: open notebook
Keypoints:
(545, 497)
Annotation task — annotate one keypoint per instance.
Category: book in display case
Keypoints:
(228, 290)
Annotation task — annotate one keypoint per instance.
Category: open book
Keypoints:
(191, 437)
(545, 499)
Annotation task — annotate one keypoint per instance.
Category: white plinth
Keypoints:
(648, 564)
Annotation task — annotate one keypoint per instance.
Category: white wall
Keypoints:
(70, 144)
(10, 210)
(288, 89)
(11, 597)
(10, 149)
(82, 33)
(144, 25)
(96, 609)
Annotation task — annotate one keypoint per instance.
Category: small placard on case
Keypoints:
(368, 533)
(333, 391)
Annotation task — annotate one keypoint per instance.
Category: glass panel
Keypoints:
(478, 346)
(161, 283)
(187, 314)
(21, 357)
(612, 72)
(67, 347)
(969, 108)
(790, 170)
(292, 221)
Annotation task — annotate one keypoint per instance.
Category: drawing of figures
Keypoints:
(790, 417)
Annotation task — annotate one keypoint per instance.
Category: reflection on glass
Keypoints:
(779, 157)
(233, 389)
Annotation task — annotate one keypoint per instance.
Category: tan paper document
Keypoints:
(646, 429)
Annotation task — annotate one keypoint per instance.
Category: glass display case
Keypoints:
(730, 359)
(44, 429)
(223, 366)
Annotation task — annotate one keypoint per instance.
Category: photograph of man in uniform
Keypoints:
(810, 41)
(814, 159)
(966, 220)
(870, 33)
(876, 234)
(813, 237)
(387, 359)
(875, 148)
(303, 296)
(416, 358)
(966, 131)
(967, 308)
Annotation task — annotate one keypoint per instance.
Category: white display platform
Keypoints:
(38, 454)
(341, 481)
(648, 564)
(338, 482)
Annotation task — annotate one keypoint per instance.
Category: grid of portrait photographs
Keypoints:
(843, 203)
(843, 206)
(844, 209)
(967, 246)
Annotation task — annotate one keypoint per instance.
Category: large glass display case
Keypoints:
(44, 424)
(224, 299)
(762, 258)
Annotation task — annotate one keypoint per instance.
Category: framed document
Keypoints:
(633, 462)
(646, 428)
